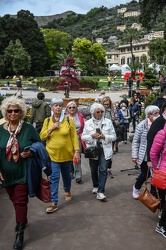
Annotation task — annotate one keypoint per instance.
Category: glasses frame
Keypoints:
(10, 111)
(100, 112)
(72, 107)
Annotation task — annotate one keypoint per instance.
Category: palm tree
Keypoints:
(131, 35)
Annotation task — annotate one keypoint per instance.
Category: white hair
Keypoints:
(96, 106)
(13, 100)
(151, 109)
(56, 101)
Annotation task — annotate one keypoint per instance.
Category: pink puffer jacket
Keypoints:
(158, 150)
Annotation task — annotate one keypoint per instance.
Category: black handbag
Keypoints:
(91, 152)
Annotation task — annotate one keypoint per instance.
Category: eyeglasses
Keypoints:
(13, 110)
(156, 113)
(98, 112)
(72, 107)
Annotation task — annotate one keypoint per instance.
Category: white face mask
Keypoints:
(123, 108)
(164, 115)
(155, 117)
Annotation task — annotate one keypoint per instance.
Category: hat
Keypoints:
(56, 101)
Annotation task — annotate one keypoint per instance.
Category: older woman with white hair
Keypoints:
(15, 136)
(62, 146)
(72, 111)
(139, 146)
(99, 131)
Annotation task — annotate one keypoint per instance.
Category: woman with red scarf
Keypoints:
(15, 136)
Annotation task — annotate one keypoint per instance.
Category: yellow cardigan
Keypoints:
(60, 143)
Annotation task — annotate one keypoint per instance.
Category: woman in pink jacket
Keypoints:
(158, 160)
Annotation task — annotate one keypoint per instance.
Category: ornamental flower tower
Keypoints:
(69, 75)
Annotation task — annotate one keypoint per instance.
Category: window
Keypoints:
(122, 60)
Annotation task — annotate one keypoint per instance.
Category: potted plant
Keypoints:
(149, 81)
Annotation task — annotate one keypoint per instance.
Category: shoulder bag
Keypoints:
(44, 193)
(159, 179)
(148, 199)
(91, 152)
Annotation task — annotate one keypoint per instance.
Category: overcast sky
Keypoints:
(51, 7)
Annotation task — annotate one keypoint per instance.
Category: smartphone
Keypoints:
(98, 131)
(26, 149)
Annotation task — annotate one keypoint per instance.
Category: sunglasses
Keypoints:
(72, 107)
(13, 110)
(98, 112)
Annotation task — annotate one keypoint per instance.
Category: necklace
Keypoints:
(55, 119)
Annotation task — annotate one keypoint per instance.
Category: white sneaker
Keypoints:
(136, 193)
(94, 191)
(101, 196)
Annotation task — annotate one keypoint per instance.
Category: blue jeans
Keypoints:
(64, 168)
(99, 171)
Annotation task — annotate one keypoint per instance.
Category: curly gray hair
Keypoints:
(13, 100)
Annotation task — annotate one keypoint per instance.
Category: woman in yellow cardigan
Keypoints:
(62, 145)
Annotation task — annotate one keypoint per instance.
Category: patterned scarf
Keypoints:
(12, 148)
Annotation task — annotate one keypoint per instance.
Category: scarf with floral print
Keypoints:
(12, 148)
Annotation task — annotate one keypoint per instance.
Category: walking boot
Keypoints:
(18, 244)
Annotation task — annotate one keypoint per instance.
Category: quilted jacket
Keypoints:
(139, 143)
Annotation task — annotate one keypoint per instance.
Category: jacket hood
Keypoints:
(37, 103)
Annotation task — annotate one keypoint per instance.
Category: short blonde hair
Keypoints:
(13, 100)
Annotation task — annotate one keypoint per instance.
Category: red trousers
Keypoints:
(18, 194)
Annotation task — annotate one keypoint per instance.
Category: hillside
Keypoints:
(98, 22)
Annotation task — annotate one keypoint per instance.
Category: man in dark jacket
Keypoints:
(161, 99)
(40, 111)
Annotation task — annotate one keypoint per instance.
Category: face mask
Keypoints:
(164, 115)
(155, 117)
(123, 108)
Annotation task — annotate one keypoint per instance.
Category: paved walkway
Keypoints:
(115, 96)
(85, 223)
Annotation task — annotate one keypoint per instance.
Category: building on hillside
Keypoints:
(99, 40)
(132, 13)
(121, 11)
(154, 35)
(113, 39)
(136, 26)
(139, 48)
(112, 57)
(121, 27)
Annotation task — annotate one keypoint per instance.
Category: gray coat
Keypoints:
(139, 143)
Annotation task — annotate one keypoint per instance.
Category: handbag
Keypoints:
(44, 193)
(159, 179)
(91, 152)
(148, 199)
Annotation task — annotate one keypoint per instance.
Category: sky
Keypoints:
(52, 7)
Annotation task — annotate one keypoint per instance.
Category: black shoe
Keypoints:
(79, 181)
(18, 244)
(133, 131)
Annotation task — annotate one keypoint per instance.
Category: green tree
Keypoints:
(130, 35)
(157, 50)
(32, 40)
(17, 59)
(144, 61)
(56, 42)
(150, 10)
(91, 55)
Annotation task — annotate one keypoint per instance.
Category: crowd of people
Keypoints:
(65, 133)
